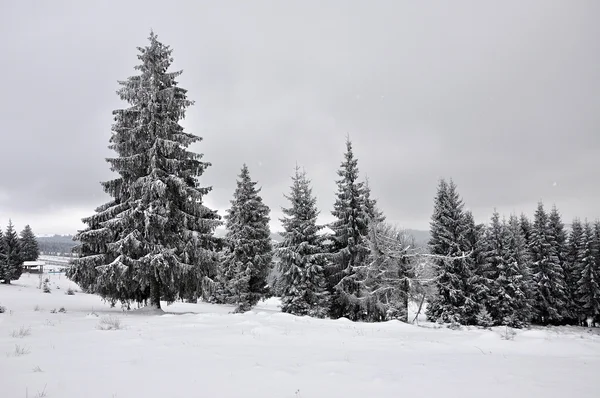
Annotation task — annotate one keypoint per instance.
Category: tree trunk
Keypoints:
(155, 292)
(419, 310)
(405, 301)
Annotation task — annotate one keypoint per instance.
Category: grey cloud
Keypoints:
(502, 97)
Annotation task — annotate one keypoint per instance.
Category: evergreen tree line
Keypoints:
(512, 271)
(14, 250)
(155, 239)
(356, 267)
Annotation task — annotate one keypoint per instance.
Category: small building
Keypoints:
(35, 267)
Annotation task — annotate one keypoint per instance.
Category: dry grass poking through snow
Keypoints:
(110, 322)
(40, 394)
(508, 334)
(21, 332)
(18, 351)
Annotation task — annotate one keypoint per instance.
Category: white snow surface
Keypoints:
(202, 350)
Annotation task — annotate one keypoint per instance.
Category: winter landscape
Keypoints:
(159, 287)
(202, 350)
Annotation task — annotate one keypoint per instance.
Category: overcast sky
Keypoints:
(503, 97)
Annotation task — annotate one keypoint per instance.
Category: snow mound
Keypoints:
(148, 310)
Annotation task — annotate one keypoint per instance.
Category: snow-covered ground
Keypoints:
(200, 350)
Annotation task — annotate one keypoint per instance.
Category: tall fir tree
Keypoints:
(349, 248)
(572, 271)
(549, 288)
(13, 263)
(559, 235)
(155, 235)
(477, 288)
(588, 285)
(302, 254)
(597, 240)
(452, 272)
(495, 266)
(507, 263)
(559, 239)
(30, 250)
(526, 228)
(596, 251)
(3, 267)
(249, 257)
(518, 276)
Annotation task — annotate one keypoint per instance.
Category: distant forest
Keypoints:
(61, 245)
(57, 245)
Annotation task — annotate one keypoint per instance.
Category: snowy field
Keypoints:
(200, 350)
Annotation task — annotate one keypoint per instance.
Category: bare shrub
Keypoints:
(110, 322)
(70, 292)
(18, 351)
(21, 332)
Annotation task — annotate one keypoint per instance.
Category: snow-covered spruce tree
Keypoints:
(301, 252)
(559, 235)
(29, 245)
(349, 249)
(3, 267)
(597, 237)
(477, 290)
(597, 241)
(588, 286)
(155, 234)
(559, 239)
(452, 271)
(247, 261)
(519, 275)
(495, 265)
(526, 228)
(13, 263)
(513, 285)
(572, 271)
(548, 280)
